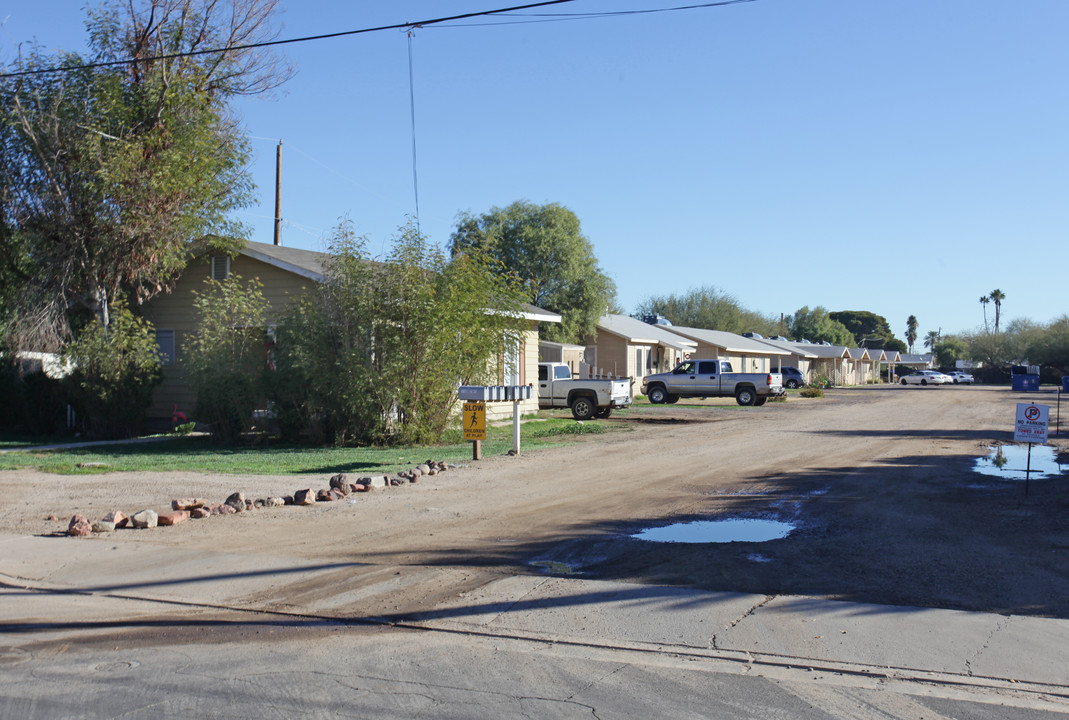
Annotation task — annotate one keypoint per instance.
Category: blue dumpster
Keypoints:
(1065, 383)
(1025, 383)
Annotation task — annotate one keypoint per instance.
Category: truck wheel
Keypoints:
(745, 396)
(657, 395)
(672, 399)
(761, 400)
(583, 408)
(603, 413)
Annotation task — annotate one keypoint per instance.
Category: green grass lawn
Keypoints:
(273, 458)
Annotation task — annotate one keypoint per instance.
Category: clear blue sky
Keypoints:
(898, 156)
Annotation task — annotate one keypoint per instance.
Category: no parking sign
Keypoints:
(1031, 424)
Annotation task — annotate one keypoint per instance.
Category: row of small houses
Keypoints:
(622, 346)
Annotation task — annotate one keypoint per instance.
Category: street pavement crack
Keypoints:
(714, 641)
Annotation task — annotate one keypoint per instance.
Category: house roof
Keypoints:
(790, 347)
(313, 265)
(637, 332)
(859, 353)
(915, 359)
(306, 263)
(824, 351)
(729, 342)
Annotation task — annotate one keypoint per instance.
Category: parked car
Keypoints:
(792, 377)
(926, 377)
(960, 376)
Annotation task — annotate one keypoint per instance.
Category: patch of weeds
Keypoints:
(811, 392)
(574, 428)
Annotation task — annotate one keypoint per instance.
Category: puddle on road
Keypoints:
(1009, 462)
(718, 531)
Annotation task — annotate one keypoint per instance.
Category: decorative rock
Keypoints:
(173, 517)
(434, 471)
(53, 518)
(361, 488)
(145, 519)
(337, 494)
(224, 509)
(118, 517)
(424, 469)
(339, 483)
(200, 513)
(287, 500)
(250, 505)
(413, 478)
(79, 526)
(274, 502)
(103, 526)
(236, 501)
(188, 503)
(304, 497)
(398, 481)
(323, 496)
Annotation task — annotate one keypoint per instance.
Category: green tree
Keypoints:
(377, 353)
(110, 171)
(911, 331)
(949, 350)
(932, 339)
(868, 329)
(709, 308)
(226, 356)
(116, 370)
(545, 247)
(818, 326)
(997, 296)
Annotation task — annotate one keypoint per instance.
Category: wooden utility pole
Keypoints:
(278, 193)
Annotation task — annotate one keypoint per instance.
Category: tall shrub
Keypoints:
(117, 368)
(381, 348)
(225, 358)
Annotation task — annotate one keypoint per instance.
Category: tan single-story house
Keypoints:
(745, 354)
(574, 356)
(286, 273)
(797, 356)
(623, 346)
(831, 361)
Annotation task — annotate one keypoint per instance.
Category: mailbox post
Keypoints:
(479, 395)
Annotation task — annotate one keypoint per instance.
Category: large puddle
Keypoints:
(1010, 462)
(718, 531)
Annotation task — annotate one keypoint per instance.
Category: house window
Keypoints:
(513, 362)
(165, 341)
(220, 267)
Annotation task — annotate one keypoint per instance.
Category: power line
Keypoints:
(309, 38)
(408, 26)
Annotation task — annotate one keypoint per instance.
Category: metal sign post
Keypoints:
(1031, 428)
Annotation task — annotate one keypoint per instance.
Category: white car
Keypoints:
(960, 376)
(927, 377)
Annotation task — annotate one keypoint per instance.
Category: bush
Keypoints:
(116, 370)
(811, 392)
(227, 355)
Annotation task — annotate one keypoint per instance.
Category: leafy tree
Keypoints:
(997, 296)
(949, 350)
(868, 329)
(109, 171)
(545, 247)
(708, 308)
(1049, 346)
(377, 352)
(817, 325)
(896, 345)
(911, 331)
(226, 356)
(116, 370)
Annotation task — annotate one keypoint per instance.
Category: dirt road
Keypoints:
(878, 482)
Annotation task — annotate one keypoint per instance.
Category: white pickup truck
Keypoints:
(586, 398)
(711, 378)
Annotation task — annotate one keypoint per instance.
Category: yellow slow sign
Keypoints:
(474, 421)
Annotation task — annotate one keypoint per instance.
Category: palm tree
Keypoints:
(984, 300)
(911, 331)
(997, 296)
(932, 339)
